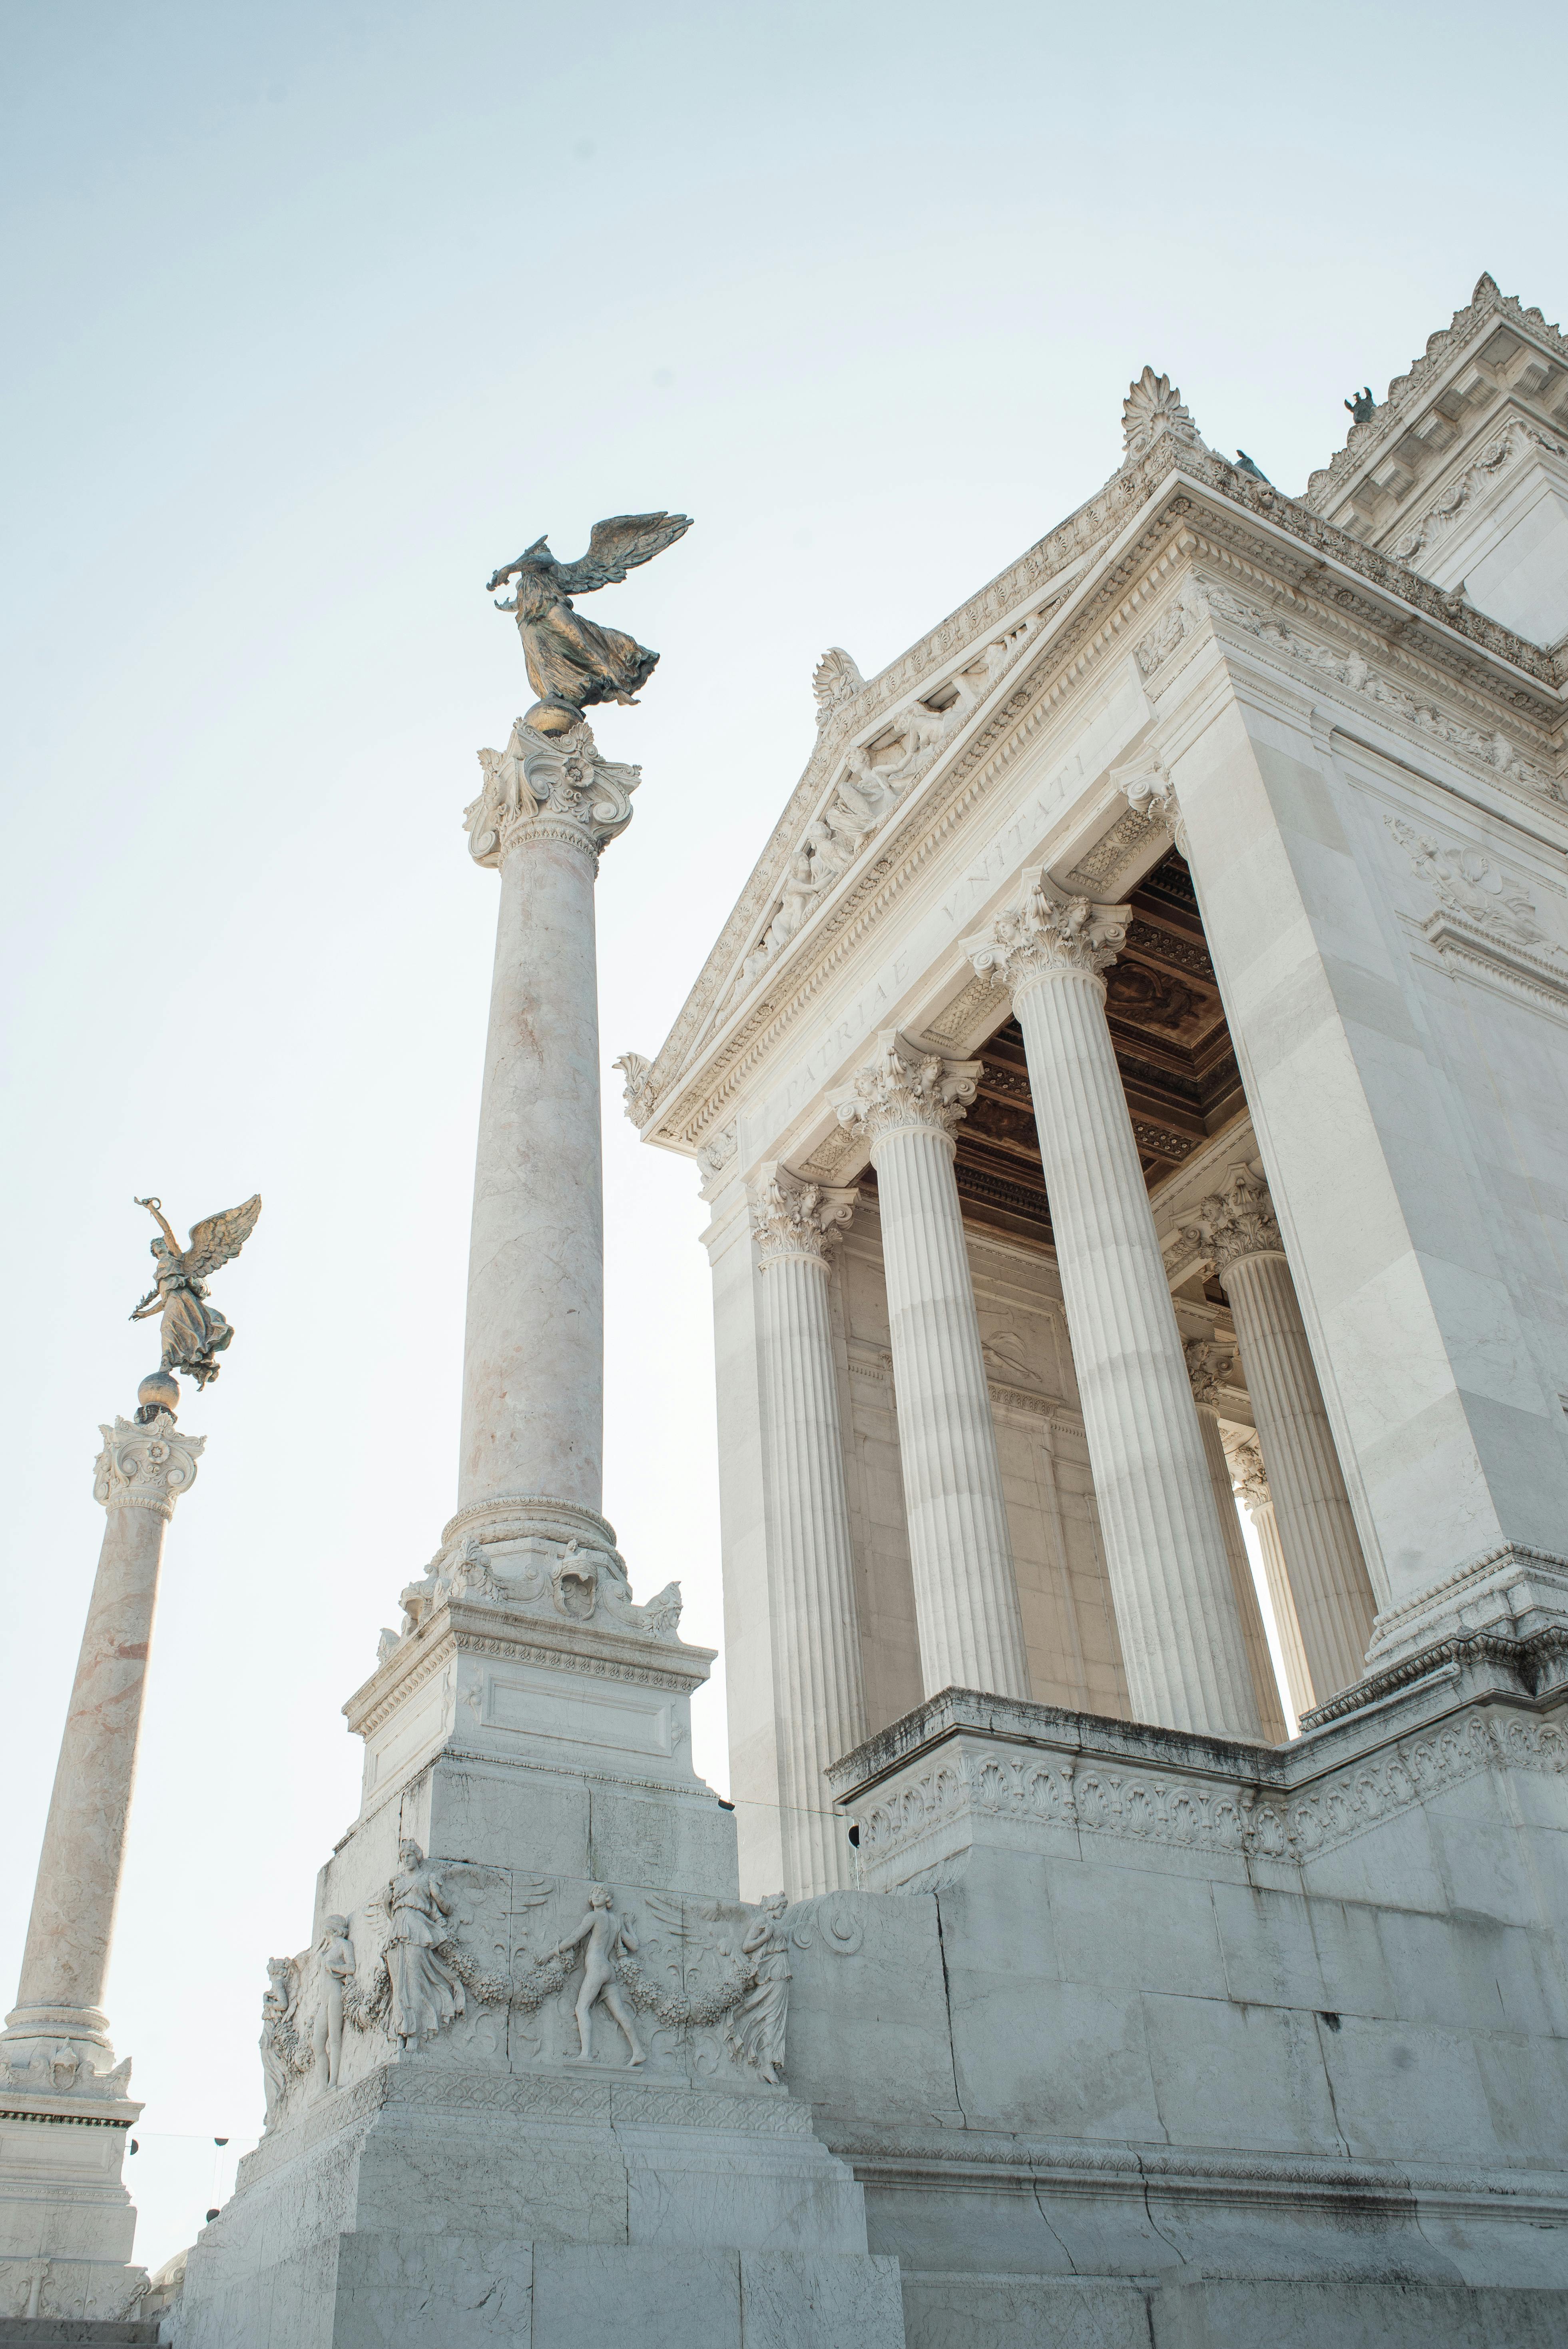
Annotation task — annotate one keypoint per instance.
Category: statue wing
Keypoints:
(617, 546)
(216, 1239)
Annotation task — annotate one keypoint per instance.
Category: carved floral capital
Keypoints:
(549, 787)
(1247, 1474)
(1233, 1222)
(144, 1467)
(1048, 934)
(1152, 794)
(796, 1219)
(1209, 1366)
(903, 1090)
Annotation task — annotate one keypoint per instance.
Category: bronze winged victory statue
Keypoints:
(574, 662)
(193, 1331)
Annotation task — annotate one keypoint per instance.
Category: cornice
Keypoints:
(691, 1089)
(469, 1627)
(1365, 444)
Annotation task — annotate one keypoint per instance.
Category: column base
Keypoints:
(1509, 1590)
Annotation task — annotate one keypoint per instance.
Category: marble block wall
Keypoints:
(1143, 2006)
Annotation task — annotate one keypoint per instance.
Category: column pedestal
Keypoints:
(66, 2224)
(1170, 1575)
(961, 1553)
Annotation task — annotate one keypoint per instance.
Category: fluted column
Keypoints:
(1252, 1487)
(1333, 1603)
(533, 1355)
(1206, 1365)
(905, 1104)
(141, 1472)
(1165, 1552)
(818, 1695)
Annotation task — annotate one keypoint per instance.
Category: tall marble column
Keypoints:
(1252, 1489)
(67, 2210)
(820, 1699)
(533, 1358)
(1334, 1602)
(1206, 1364)
(1170, 1580)
(906, 1104)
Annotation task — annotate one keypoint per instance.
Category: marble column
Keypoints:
(1252, 1489)
(62, 2206)
(818, 1698)
(1206, 1366)
(1333, 1603)
(905, 1104)
(533, 1360)
(1165, 1552)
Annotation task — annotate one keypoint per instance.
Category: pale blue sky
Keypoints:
(318, 313)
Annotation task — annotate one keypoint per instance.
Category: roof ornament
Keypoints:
(837, 680)
(1153, 406)
(1361, 405)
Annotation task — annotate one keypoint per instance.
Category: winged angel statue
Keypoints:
(572, 662)
(193, 1330)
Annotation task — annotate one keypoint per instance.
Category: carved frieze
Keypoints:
(707, 1976)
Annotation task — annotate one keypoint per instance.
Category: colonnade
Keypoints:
(1191, 1629)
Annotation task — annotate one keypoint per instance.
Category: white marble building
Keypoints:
(1135, 1072)
(1135, 1075)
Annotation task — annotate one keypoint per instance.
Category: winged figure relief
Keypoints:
(193, 1330)
(572, 662)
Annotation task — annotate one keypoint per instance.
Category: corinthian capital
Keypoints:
(146, 1467)
(1208, 1367)
(1233, 1222)
(1247, 1475)
(795, 1218)
(1048, 932)
(903, 1090)
(1152, 794)
(549, 787)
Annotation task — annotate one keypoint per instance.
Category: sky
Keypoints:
(316, 314)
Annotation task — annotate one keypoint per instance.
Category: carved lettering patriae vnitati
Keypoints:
(903, 1089)
(792, 1217)
(1048, 932)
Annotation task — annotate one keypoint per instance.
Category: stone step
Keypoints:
(76, 2333)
